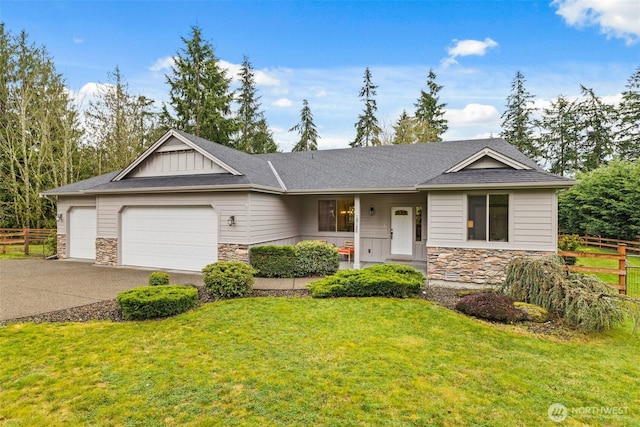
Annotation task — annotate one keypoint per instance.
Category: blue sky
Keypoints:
(319, 51)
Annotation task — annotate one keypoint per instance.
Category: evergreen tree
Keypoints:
(39, 137)
(628, 135)
(199, 93)
(595, 130)
(367, 129)
(558, 137)
(254, 135)
(119, 125)
(306, 129)
(517, 123)
(404, 129)
(429, 113)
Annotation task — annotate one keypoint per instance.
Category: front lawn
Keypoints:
(291, 361)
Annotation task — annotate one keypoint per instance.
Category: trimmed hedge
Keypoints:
(148, 302)
(490, 306)
(273, 261)
(307, 258)
(228, 279)
(158, 278)
(388, 280)
(316, 258)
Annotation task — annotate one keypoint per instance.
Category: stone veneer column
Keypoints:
(480, 266)
(106, 251)
(233, 252)
(62, 246)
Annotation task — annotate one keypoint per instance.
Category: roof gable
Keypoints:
(174, 154)
(488, 158)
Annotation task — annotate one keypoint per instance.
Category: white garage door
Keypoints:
(170, 237)
(82, 233)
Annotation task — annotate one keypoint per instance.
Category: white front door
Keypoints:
(402, 231)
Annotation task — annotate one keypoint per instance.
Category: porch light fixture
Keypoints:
(231, 221)
(59, 217)
(372, 211)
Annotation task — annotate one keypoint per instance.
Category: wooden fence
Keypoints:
(23, 236)
(604, 242)
(621, 271)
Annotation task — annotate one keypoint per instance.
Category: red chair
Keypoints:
(347, 249)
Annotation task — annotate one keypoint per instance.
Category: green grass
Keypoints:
(17, 251)
(607, 263)
(338, 362)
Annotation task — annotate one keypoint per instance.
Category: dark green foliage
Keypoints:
(367, 128)
(517, 119)
(228, 279)
(273, 261)
(629, 115)
(570, 243)
(316, 258)
(430, 113)
(583, 301)
(51, 244)
(148, 302)
(490, 306)
(306, 129)
(604, 203)
(386, 280)
(158, 278)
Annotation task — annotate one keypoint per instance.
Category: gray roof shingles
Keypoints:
(397, 167)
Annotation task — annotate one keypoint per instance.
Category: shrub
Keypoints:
(569, 242)
(158, 278)
(51, 244)
(148, 302)
(380, 280)
(490, 306)
(533, 313)
(583, 301)
(273, 261)
(228, 279)
(316, 258)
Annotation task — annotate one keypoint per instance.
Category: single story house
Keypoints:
(463, 208)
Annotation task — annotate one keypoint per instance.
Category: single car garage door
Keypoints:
(169, 237)
(82, 233)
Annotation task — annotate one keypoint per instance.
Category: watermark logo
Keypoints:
(557, 412)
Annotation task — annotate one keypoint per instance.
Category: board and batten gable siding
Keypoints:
(225, 205)
(66, 203)
(532, 220)
(168, 163)
(273, 217)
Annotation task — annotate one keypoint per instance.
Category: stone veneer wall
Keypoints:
(106, 251)
(62, 246)
(232, 252)
(480, 266)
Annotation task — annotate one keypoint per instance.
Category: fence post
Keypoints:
(622, 265)
(26, 241)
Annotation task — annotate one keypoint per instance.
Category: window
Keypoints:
(335, 215)
(488, 217)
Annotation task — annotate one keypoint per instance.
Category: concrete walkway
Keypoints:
(35, 286)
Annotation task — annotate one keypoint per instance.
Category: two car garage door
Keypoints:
(166, 237)
(169, 237)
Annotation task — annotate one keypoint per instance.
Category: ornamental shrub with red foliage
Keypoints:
(490, 306)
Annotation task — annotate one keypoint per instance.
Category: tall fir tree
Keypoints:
(367, 128)
(517, 119)
(119, 124)
(307, 130)
(558, 140)
(253, 135)
(199, 93)
(595, 130)
(404, 130)
(628, 135)
(430, 112)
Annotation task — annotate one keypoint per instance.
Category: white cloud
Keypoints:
(472, 115)
(78, 40)
(162, 64)
(321, 93)
(87, 92)
(282, 102)
(468, 48)
(616, 18)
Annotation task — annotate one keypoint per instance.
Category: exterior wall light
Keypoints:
(231, 221)
(372, 211)
(59, 217)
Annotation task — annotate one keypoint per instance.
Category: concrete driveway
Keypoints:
(34, 286)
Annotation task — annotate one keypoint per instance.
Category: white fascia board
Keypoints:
(352, 191)
(507, 161)
(162, 140)
(492, 186)
(185, 189)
